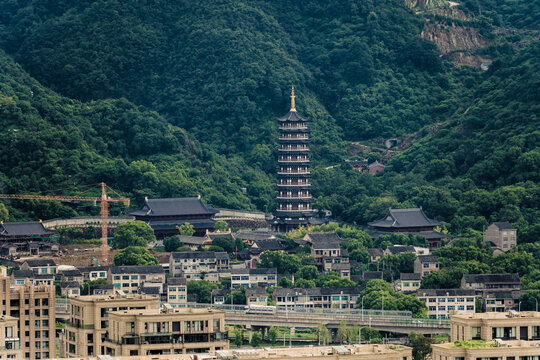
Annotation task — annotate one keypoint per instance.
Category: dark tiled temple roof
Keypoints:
(404, 218)
(293, 116)
(24, 229)
(172, 224)
(174, 207)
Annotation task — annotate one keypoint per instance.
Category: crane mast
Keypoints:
(104, 205)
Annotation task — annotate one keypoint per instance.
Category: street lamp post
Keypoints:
(519, 306)
(363, 308)
(535, 299)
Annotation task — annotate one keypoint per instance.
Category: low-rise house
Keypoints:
(372, 275)
(43, 279)
(91, 273)
(500, 300)
(70, 288)
(442, 303)
(219, 296)
(490, 281)
(424, 264)
(129, 278)
(375, 254)
(268, 245)
(409, 282)
(194, 241)
(250, 236)
(260, 277)
(501, 235)
(194, 265)
(256, 296)
(343, 269)
(316, 298)
(71, 275)
(22, 277)
(398, 249)
(325, 247)
(375, 167)
(40, 266)
(177, 292)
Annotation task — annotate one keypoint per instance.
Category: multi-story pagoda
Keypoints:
(294, 185)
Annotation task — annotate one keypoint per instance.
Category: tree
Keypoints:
(285, 263)
(256, 339)
(4, 213)
(186, 229)
(323, 333)
(88, 287)
(530, 300)
(132, 233)
(343, 332)
(421, 345)
(273, 334)
(238, 337)
(238, 298)
(309, 272)
(134, 255)
(202, 289)
(369, 333)
(171, 243)
(221, 226)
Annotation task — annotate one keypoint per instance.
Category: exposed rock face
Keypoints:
(453, 38)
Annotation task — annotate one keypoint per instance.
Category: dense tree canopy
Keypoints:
(132, 233)
(134, 255)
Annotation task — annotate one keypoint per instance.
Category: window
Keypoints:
(38, 334)
(134, 277)
(451, 300)
(461, 307)
(20, 282)
(432, 308)
(470, 307)
(36, 302)
(470, 299)
(38, 323)
(476, 333)
(116, 277)
(172, 289)
(442, 300)
(432, 300)
(335, 298)
(125, 277)
(442, 308)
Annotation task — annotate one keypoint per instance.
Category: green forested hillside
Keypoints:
(177, 98)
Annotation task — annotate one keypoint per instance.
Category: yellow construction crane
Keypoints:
(104, 199)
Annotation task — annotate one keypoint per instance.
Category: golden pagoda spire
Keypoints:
(293, 106)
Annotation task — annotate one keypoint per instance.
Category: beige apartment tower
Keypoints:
(35, 309)
(88, 324)
(166, 331)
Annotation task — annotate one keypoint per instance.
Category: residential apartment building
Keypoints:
(409, 282)
(195, 265)
(86, 330)
(490, 281)
(259, 277)
(424, 264)
(40, 266)
(501, 235)
(256, 296)
(91, 273)
(35, 309)
(129, 278)
(325, 249)
(10, 345)
(500, 300)
(176, 292)
(442, 303)
(375, 254)
(516, 335)
(165, 331)
(322, 298)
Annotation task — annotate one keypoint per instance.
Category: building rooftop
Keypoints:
(398, 249)
(176, 281)
(174, 207)
(410, 276)
(168, 312)
(316, 291)
(405, 218)
(375, 252)
(504, 225)
(492, 278)
(372, 275)
(268, 245)
(24, 229)
(255, 291)
(428, 258)
(199, 255)
(498, 315)
(157, 269)
(445, 292)
(40, 262)
(114, 297)
(254, 271)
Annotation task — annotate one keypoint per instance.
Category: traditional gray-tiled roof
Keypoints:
(504, 225)
(404, 218)
(428, 258)
(103, 287)
(226, 236)
(253, 235)
(24, 229)
(410, 276)
(492, 278)
(292, 116)
(70, 272)
(69, 284)
(176, 281)
(137, 269)
(150, 290)
(317, 291)
(502, 294)
(375, 252)
(198, 255)
(173, 224)
(22, 274)
(255, 291)
(40, 262)
(220, 292)
(428, 234)
(341, 266)
(445, 292)
(191, 240)
(174, 207)
(324, 236)
(256, 271)
(372, 275)
(397, 249)
(269, 245)
(322, 245)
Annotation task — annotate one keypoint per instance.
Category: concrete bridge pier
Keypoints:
(250, 332)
